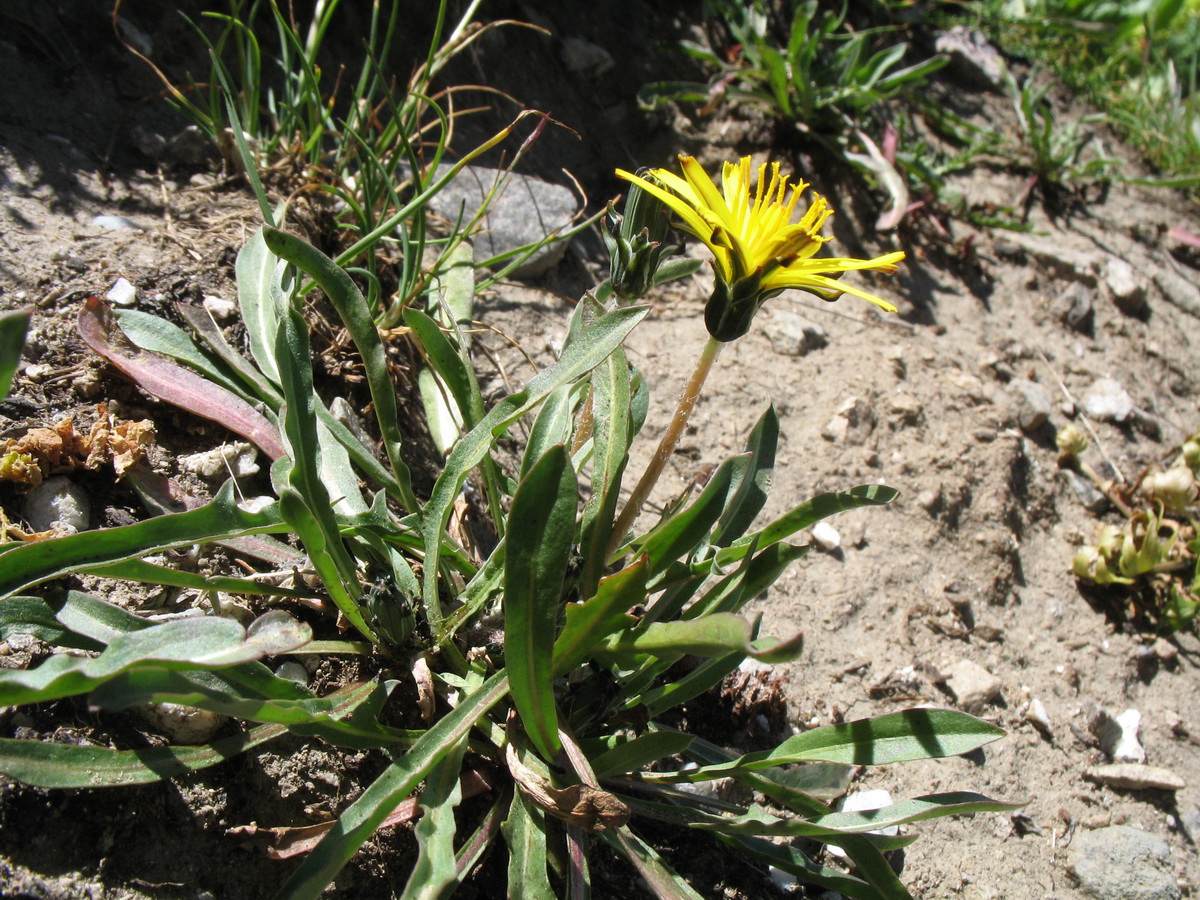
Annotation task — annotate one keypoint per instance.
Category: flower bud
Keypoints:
(1175, 488)
(1071, 440)
(637, 243)
(1191, 454)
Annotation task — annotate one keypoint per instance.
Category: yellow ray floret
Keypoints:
(749, 229)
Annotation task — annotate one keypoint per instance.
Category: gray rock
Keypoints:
(182, 724)
(1074, 306)
(1128, 291)
(1089, 495)
(972, 56)
(1033, 404)
(1135, 777)
(1107, 401)
(57, 504)
(791, 335)
(1124, 863)
(972, 685)
(523, 211)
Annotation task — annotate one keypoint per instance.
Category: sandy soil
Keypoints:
(971, 563)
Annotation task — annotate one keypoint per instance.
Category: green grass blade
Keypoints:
(537, 555)
(399, 780)
(30, 564)
(46, 764)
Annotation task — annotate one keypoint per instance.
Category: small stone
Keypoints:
(116, 223)
(826, 537)
(1089, 495)
(182, 724)
(930, 499)
(1128, 291)
(1074, 306)
(836, 429)
(905, 407)
(1165, 650)
(1118, 735)
(292, 671)
(1107, 401)
(972, 685)
(122, 293)
(791, 335)
(1124, 863)
(57, 504)
(218, 307)
(1135, 777)
(1033, 404)
(1037, 717)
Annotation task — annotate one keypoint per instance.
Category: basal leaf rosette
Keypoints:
(758, 251)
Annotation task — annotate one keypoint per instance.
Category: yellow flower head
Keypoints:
(757, 250)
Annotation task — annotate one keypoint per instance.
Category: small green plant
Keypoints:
(1139, 62)
(1157, 549)
(806, 66)
(546, 667)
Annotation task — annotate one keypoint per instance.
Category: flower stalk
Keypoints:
(668, 443)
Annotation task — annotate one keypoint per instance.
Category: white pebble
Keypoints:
(826, 537)
(122, 293)
(219, 307)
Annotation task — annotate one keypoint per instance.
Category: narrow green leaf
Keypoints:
(820, 507)
(632, 756)
(204, 642)
(252, 379)
(33, 615)
(352, 308)
(98, 619)
(552, 426)
(149, 573)
(613, 434)
(157, 335)
(359, 821)
(256, 272)
(662, 879)
(537, 555)
(46, 764)
(594, 344)
(591, 622)
(749, 493)
(30, 564)
(525, 834)
(435, 869)
(680, 535)
(716, 635)
(13, 325)
(449, 365)
(791, 860)
(895, 737)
